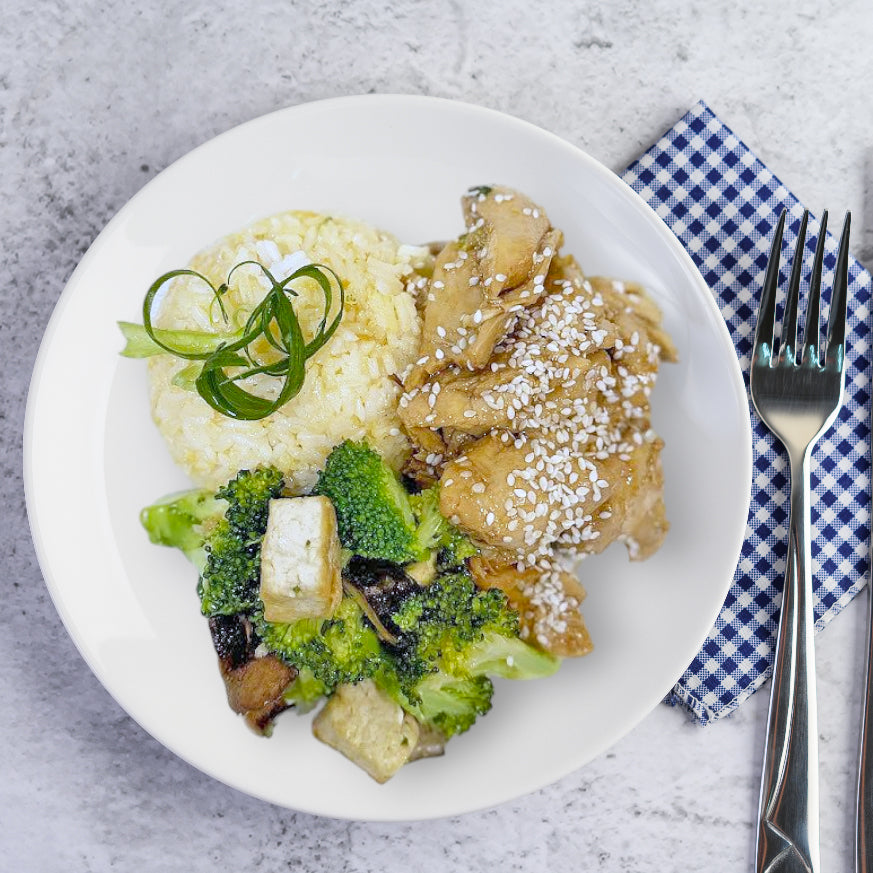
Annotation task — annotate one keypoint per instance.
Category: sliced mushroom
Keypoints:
(254, 685)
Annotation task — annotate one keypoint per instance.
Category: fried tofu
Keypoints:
(300, 560)
(369, 728)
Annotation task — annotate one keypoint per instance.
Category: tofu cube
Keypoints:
(369, 728)
(300, 560)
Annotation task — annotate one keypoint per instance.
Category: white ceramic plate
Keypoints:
(400, 163)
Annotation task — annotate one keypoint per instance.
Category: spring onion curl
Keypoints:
(233, 360)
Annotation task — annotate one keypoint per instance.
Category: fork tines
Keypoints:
(765, 348)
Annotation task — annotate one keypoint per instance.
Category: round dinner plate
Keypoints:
(93, 458)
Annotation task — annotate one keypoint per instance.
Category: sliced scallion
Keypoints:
(229, 358)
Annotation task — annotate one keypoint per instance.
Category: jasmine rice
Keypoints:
(350, 390)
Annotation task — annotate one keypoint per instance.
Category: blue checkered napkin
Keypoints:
(723, 204)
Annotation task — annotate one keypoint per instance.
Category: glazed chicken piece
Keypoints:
(459, 323)
(482, 279)
(505, 230)
(537, 379)
(629, 307)
(478, 402)
(547, 601)
(634, 512)
(494, 492)
(526, 494)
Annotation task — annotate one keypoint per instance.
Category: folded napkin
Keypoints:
(723, 204)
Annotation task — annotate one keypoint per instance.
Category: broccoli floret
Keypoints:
(452, 704)
(508, 657)
(305, 691)
(248, 497)
(221, 534)
(338, 650)
(455, 550)
(454, 636)
(378, 519)
(436, 534)
(452, 613)
(229, 582)
(432, 527)
(373, 512)
(184, 521)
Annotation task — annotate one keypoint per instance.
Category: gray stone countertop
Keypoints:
(98, 97)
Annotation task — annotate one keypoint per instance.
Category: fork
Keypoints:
(796, 391)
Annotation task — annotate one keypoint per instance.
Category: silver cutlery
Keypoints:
(864, 806)
(797, 388)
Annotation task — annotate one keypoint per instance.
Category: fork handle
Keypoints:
(788, 836)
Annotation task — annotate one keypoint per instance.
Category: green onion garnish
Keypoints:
(229, 358)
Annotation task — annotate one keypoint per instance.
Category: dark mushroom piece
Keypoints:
(255, 685)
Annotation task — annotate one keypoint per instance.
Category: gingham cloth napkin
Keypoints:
(723, 204)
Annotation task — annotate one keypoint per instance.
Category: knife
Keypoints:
(864, 806)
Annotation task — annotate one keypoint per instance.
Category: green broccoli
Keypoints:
(305, 692)
(378, 519)
(454, 636)
(374, 515)
(452, 704)
(221, 534)
(338, 650)
(185, 521)
(435, 534)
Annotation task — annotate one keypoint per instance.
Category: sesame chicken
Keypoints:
(521, 494)
(505, 229)
(481, 280)
(634, 511)
(540, 440)
(547, 600)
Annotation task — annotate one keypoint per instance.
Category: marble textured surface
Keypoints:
(97, 97)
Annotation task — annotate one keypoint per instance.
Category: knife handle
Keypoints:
(864, 808)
